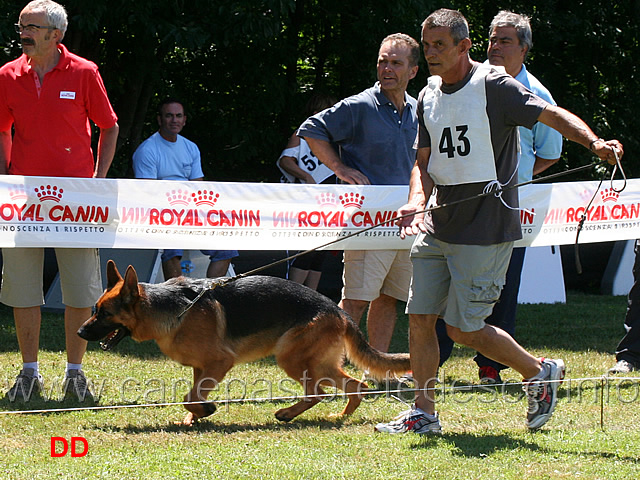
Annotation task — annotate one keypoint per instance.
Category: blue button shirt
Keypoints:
(373, 136)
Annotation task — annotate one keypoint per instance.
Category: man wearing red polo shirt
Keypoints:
(48, 96)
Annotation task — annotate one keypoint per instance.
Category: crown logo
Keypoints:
(178, 197)
(17, 193)
(327, 200)
(47, 192)
(352, 200)
(205, 197)
(609, 195)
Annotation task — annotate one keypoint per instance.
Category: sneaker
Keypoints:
(27, 386)
(489, 375)
(542, 391)
(75, 383)
(412, 420)
(623, 366)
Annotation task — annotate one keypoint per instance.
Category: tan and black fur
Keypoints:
(240, 321)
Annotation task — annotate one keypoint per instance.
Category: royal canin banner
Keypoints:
(124, 213)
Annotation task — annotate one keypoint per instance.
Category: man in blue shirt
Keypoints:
(167, 155)
(510, 40)
(375, 131)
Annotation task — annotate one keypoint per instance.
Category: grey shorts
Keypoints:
(369, 273)
(22, 284)
(460, 282)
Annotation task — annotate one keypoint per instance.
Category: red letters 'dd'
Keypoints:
(65, 446)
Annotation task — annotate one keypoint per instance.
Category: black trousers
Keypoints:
(629, 347)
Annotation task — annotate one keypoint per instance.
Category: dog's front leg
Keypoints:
(204, 381)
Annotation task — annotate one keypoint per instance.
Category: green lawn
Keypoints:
(593, 434)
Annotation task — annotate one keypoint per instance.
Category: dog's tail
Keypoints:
(379, 364)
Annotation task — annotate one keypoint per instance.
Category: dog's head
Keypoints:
(114, 317)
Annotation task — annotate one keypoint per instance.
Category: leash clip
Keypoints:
(210, 284)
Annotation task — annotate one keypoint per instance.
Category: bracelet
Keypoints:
(594, 141)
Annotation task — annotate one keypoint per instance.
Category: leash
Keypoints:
(583, 217)
(218, 282)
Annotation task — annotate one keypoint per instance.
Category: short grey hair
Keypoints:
(521, 23)
(55, 13)
(414, 46)
(452, 19)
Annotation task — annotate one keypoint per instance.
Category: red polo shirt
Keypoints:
(52, 131)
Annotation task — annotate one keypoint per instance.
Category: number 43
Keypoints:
(447, 145)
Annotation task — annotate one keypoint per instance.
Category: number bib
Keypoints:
(461, 149)
(306, 161)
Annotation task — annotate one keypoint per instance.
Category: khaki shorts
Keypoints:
(460, 282)
(369, 273)
(22, 283)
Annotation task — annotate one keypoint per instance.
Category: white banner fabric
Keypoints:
(125, 213)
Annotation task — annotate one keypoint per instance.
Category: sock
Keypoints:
(428, 415)
(33, 365)
(73, 366)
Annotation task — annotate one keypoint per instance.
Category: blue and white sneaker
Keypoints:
(413, 420)
(542, 392)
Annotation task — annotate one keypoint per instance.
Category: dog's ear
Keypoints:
(113, 275)
(130, 288)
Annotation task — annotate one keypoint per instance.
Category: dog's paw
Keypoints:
(189, 421)
(283, 415)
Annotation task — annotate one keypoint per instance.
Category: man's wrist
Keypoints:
(593, 142)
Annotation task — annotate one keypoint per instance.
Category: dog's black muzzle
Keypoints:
(109, 336)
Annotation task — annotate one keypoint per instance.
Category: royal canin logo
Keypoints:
(205, 197)
(21, 209)
(181, 212)
(600, 211)
(178, 197)
(327, 199)
(334, 211)
(199, 198)
(609, 195)
(18, 193)
(352, 200)
(49, 193)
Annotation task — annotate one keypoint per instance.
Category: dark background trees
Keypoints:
(244, 68)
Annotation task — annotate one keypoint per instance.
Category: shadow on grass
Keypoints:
(39, 406)
(474, 445)
(209, 425)
(484, 445)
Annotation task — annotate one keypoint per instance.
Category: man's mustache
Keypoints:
(27, 41)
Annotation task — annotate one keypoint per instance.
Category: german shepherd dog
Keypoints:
(240, 321)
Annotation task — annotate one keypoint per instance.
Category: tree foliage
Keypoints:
(244, 68)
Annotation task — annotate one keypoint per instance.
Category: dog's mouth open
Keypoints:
(111, 340)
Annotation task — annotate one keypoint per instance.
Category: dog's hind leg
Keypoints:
(353, 388)
(204, 381)
(312, 392)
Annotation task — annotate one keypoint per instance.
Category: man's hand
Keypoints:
(607, 149)
(412, 223)
(351, 175)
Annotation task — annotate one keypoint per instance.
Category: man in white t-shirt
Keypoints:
(167, 155)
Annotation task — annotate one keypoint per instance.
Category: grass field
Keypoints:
(593, 435)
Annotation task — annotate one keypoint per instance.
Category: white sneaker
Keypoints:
(542, 391)
(413, 420)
